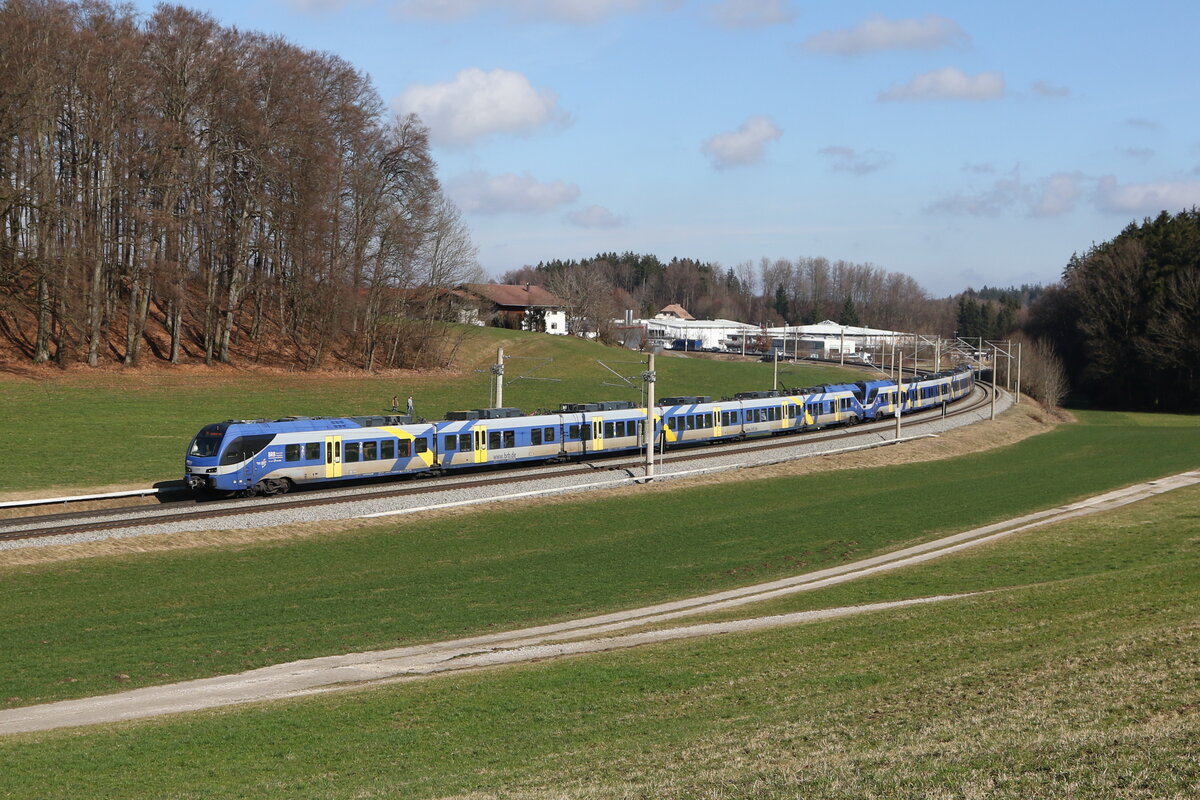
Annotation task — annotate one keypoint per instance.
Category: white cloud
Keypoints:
(1001, 196)
(752, 13)
(1146, 198)
(482, 193)
(595, 217)
(573, 12)
(1058, 194)
(477, 103)
(743, 146)
(847, 159)
(949, 83)
(1049, 90)
(1048, 197)
(878, 33)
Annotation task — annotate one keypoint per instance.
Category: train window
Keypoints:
(689, 423)
(421, 445)
(548, 434)
(573, 432)
(370, 451)
(493, 440)
(388, 449)
(535, 436)
(404, 448)
(464, 441)
(609, 431)
(510, 438)
(291, 452)
(208, 441)
(312, 451)
(451, 441)
(351, 453)
(244, 448)
(708, 420)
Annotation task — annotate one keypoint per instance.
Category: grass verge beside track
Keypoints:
(92, 428)
(77, 629)
(1077, 677)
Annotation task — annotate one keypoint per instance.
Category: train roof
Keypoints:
(604, 405)
(286, 424)
(684, 400)
(484, 413)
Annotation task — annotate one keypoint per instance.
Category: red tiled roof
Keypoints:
(523, 296)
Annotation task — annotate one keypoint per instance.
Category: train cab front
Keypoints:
(200, 465)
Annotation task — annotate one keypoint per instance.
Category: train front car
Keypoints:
(203, 457)
(270, 457)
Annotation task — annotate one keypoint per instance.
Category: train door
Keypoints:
(597, 435)
(716, 412)
(333, 456)
(480, 444)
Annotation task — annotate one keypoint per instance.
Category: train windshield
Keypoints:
(208, 441)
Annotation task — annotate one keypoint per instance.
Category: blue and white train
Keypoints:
(271, 457)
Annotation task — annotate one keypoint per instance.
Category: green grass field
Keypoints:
(86, 429)
(1077, 677)
(161, 617)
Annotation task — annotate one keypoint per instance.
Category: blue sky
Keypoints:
(962, 143)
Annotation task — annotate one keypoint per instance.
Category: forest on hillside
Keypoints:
(1125, 319)
(172, 189)
(173, 181)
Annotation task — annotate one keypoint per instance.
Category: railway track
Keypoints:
(190, 510)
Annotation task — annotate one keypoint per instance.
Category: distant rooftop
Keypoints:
(522, 296)
(675, 310)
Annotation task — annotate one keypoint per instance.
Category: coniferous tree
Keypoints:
(850, 313)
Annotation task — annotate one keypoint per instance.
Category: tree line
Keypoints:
(213, 185)
(1125, 318)
(798, 291)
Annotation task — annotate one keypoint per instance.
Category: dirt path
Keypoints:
(591, 634)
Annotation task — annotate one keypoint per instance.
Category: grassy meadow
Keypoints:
(1076, 676)
(1073, 674)
(90, 428)
(73, 627)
